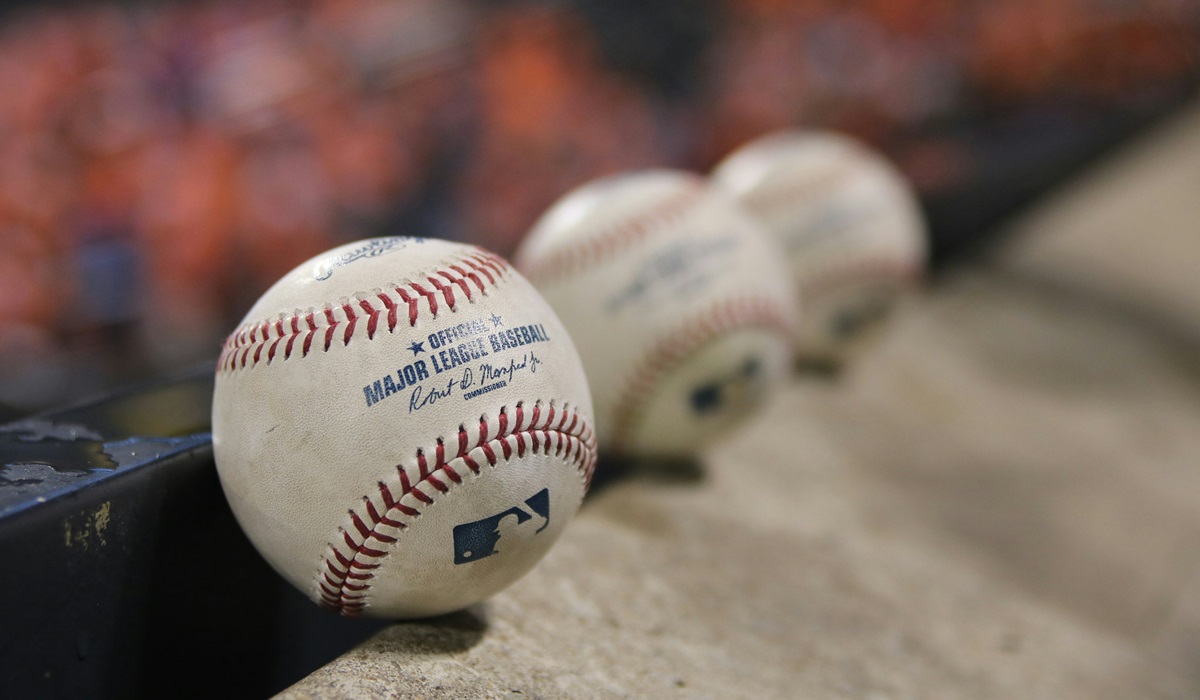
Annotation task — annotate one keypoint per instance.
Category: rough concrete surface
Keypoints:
(1002, 500)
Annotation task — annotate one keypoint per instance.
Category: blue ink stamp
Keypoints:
(477, 540)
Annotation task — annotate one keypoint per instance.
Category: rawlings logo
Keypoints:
(372, 249)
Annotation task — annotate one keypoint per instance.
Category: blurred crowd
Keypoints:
(162, 163)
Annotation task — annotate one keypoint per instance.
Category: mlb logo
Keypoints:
(477, 540)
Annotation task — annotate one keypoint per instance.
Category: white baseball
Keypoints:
(849, 224)
(402, 426)
(678, 302)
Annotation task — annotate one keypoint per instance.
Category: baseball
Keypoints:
(402, 427)
(849, 225)
(679, 305)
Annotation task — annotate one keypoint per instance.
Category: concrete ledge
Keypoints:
(1001, 502)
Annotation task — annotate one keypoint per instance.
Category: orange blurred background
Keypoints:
(162, 164)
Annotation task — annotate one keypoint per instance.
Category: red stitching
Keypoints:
(785, 193)
(362, 538)
(722, 317)
(244, 347)
(878, 267)
(479, 268)
(576, 257)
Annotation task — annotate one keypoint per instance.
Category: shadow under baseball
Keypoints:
(614, 469)
(436, 636)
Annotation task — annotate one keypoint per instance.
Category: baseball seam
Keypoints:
(787, 195)
(363, 541)
(574, 258)
(723, 316)
(469, 274)
(834, 274)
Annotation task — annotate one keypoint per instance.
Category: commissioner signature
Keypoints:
(473, 382)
